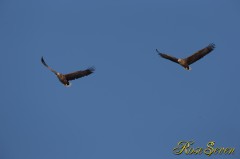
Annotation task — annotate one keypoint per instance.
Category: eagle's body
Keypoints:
(191, 59)
(184, 63)
(65, 78)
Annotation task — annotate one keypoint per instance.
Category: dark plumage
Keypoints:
(65, 78)
(191, 59)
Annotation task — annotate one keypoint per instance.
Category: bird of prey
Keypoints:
(191, 59)
(65, 78)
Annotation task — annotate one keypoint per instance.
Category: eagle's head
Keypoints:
(180, 60)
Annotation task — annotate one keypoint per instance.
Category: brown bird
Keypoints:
(65, 78)
(191, 59)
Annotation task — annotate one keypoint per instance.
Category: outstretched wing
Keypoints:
(174, 59)
(200, 54)
(79, 74)
(44, 63)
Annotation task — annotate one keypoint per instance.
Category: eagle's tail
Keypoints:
(188, 68)
(68, 85)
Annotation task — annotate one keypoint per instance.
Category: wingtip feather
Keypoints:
(42, 59)
(212, 45)
(92, 69)
(43, 62)
(159, 53)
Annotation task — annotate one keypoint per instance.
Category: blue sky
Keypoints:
(136, 104)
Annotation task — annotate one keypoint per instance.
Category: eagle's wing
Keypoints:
(79, 74)
(44, 63)
(200, 54)
(174, 59)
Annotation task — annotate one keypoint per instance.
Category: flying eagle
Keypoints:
(191, 59)
(65, 78)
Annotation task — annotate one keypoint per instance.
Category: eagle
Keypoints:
(191, 59)
(65, 78)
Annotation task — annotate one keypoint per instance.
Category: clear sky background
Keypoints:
(136, 105)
